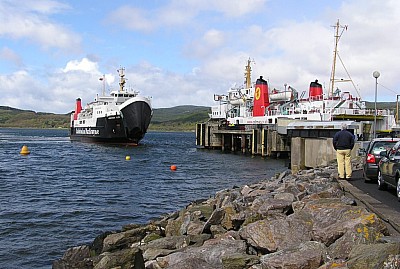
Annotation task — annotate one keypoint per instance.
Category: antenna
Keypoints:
(122, 80)
(103, 79)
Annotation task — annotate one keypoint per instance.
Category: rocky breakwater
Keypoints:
(289, 221)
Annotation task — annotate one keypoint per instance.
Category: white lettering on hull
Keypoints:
(88, 131)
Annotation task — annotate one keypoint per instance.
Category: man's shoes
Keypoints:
(341, 178)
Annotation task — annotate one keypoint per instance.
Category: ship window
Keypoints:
(120, 95)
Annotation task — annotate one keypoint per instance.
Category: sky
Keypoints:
(182, 52)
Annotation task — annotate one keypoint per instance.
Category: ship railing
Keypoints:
(272, 112)
(350, 111)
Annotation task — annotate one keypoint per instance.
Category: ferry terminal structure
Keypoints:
(271, 122)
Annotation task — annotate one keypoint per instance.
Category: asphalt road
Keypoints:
(387, 197)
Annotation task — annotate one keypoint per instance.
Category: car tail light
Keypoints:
(370, 158)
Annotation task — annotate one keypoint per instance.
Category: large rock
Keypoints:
(309, 255)
(121, 240)
(212, 252)
(342, 247)
(239, 261)
(373, 256)
(127, 258)
(169, 242)
(192, 263)
(75, 257)
(331, 218)
(272, 235)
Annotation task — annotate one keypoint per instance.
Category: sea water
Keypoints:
(64, 194)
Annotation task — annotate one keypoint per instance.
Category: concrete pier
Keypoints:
(307, 144)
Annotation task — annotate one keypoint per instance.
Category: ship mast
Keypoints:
(335, 52)
(103, 79)
(247, 74)
(335, 57)
(122, 80)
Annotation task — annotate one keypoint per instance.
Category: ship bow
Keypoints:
(136, 114)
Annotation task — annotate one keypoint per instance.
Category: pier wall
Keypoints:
(313, 152)
(308, 150)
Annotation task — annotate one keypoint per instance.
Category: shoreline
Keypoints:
(288, 221)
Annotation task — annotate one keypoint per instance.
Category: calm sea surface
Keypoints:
(66, 193)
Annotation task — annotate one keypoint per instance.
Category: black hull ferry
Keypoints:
(121, 118)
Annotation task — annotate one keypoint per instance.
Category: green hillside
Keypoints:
(12, 117)
(180, 118)
(381, 105)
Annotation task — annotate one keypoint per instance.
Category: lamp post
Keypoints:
(376, 75)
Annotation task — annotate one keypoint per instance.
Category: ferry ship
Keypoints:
(258, 104)
(120, 118)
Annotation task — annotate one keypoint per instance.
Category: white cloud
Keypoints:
(237, 8)
(181, 13)
(132, 18)
(30, 21)
(84, 65)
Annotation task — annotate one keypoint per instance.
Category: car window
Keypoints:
(394, 151)
(382, 146)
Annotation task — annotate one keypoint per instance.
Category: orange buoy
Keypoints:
(24, 150)
(173, 167)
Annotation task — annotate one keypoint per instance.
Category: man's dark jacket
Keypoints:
(343, 140)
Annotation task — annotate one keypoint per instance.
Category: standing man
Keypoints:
(343, 142)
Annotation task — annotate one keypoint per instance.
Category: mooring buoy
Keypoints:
(24, 150)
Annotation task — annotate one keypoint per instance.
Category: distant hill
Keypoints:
(180, 118)
(381, 105)
(13, 117)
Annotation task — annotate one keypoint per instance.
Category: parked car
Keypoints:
(372, 156)
(389, 169)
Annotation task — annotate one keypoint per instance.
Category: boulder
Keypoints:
(212, 252)
(126, 258)
(371, 256)
(192, 263)
(75, 257)
(273, 235)
(341, 248)
(310, 255)
(239, 261)
(122, 240)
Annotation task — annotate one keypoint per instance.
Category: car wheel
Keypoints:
(381, 183)
(398, 189)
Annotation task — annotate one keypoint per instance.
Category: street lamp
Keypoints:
(376, 75)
